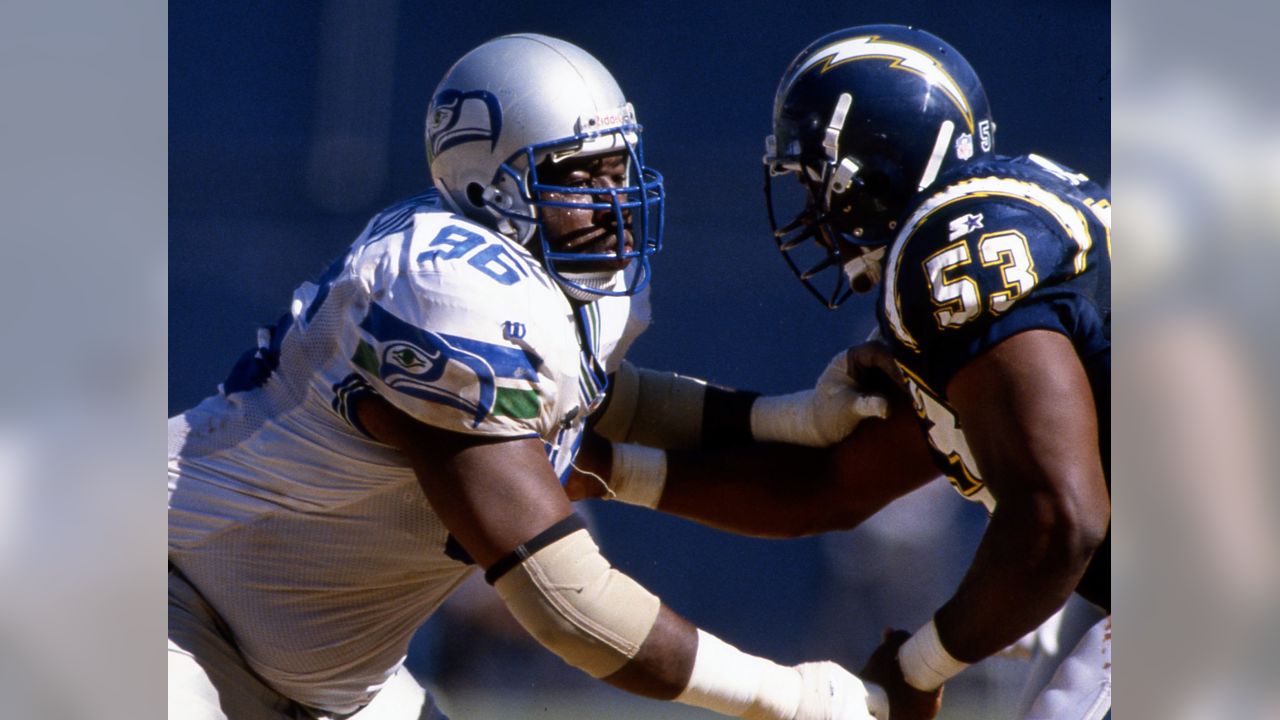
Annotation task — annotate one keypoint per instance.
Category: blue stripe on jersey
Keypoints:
(255, 367)
(414, 361)
(345, 393)
(325, 284)
(593, 382)
(507, 362)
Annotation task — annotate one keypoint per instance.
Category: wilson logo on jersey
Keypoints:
(471, 375)
(512, 330)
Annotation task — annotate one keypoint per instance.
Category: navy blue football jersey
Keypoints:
(1001, 246)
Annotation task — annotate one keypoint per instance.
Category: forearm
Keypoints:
(724, 679)
(802, 489)
(682, 663)
(662, 667)
(1028, 563)
(597, 619)
(778, 490)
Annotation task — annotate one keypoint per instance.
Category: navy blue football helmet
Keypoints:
(865, 118)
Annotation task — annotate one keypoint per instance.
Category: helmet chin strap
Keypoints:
(865, 270)
(580, 285)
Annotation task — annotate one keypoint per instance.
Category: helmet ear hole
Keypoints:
(475, 194)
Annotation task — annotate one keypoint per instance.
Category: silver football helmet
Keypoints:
(512, 103)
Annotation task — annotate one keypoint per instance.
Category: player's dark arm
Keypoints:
(496, 496)
(734, 483)
(1028, 414)
(503, 503)
(1027, 411)
(776, 490)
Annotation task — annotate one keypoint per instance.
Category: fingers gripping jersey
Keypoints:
(1006, 245)
(313, 542)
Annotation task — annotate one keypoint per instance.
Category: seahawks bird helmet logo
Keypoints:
(458, 117)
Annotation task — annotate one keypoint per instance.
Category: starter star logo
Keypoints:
(965, 224)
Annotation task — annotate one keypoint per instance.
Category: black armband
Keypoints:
(726, 417)
(567, 526)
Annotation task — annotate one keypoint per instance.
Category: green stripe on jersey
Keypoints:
(519, 404)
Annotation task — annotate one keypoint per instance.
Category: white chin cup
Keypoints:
(869, 263)
(604, 281)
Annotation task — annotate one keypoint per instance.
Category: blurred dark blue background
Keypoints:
(291, 123)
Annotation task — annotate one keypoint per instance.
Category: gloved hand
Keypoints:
(829, 692)
(831, 410)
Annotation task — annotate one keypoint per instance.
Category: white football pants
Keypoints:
(209, 679)
(1080, 688)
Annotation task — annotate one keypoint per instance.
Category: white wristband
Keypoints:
(783, 418)
(639, 474)
(731, 682)
(925, 664)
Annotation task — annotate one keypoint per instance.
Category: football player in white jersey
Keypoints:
(995, 311)
(411, 418)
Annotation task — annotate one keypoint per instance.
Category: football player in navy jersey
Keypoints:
(994, 316)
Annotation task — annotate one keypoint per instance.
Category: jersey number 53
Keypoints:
(956, 293)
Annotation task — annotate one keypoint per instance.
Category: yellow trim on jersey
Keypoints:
(1071, 219)
(964, 481)
(1101, 208)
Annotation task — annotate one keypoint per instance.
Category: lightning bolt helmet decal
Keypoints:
(900, 56)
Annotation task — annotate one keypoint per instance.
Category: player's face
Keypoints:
(585, 230)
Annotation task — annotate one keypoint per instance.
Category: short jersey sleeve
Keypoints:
(462, 331)
(983, 268)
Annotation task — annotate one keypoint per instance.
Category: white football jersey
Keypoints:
(315, 543)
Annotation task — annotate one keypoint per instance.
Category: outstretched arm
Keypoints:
(773, 489)
(504, 504)
(779, 490)
(672, 411)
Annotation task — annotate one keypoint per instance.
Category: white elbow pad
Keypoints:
(658, 409)
(568, 597)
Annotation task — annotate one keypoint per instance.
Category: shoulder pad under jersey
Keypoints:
(464, 330)
(976, 249)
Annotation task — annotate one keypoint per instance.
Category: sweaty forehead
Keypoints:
(605, 163)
